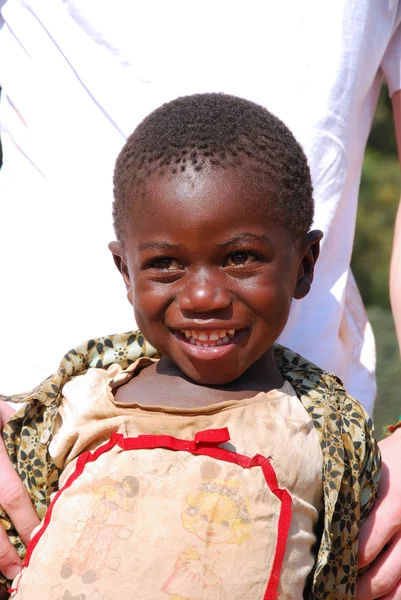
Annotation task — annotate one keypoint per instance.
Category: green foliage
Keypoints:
(378, 203)
(382, 138)
(388, 401)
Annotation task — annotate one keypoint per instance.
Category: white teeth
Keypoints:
(208, 339)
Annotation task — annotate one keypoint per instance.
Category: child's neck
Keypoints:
(164, 384)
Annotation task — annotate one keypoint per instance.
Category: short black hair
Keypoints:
(217, 131)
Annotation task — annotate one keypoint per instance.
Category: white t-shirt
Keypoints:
(79, 75)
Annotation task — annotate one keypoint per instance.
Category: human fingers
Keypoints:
(10, 562)
(394, 595)
(6, 412)
(375, 533)
(377, 529)
(384, 520)
(383, 579)
(16, 502)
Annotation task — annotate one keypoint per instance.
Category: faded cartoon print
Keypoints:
(111, 498)
(217, 513)
(108, 515)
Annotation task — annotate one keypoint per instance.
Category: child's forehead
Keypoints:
(202, 208)
(209, 188)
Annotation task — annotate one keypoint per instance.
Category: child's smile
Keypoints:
(208, 344)
(210, 272)
(208, 338)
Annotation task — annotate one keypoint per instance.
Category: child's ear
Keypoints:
(119, 260)
(310, 248)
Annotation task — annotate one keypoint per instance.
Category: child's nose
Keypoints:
(204, 292)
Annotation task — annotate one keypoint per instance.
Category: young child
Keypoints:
(222, 465)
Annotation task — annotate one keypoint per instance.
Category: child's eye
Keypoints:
(225, 524)
(164, 263)
(240, 259)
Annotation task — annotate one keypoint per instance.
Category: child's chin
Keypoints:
(212, 377)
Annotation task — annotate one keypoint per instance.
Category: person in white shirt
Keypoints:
(78, 75)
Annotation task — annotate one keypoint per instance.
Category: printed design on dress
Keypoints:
(109, 515)
(58, 595)
(217, 513)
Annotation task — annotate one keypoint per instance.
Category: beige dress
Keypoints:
(188, 504)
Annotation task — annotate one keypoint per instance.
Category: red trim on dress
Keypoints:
(204, 443)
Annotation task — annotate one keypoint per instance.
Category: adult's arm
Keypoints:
(16, 502)
(395, 269)
(381, 533)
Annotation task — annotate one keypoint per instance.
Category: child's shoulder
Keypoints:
(322, 393)
(316, 388)
(309, 379)
(122, 348)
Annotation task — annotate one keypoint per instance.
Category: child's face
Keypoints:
(215, 519)
(210, 275)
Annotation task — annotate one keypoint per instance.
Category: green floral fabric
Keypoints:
(351, 460)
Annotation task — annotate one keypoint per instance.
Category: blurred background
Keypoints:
(378, 202)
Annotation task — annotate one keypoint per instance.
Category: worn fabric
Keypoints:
(212, 526)
(351, 459)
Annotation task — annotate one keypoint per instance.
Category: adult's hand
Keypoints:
(16, 502)
(381, 532)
